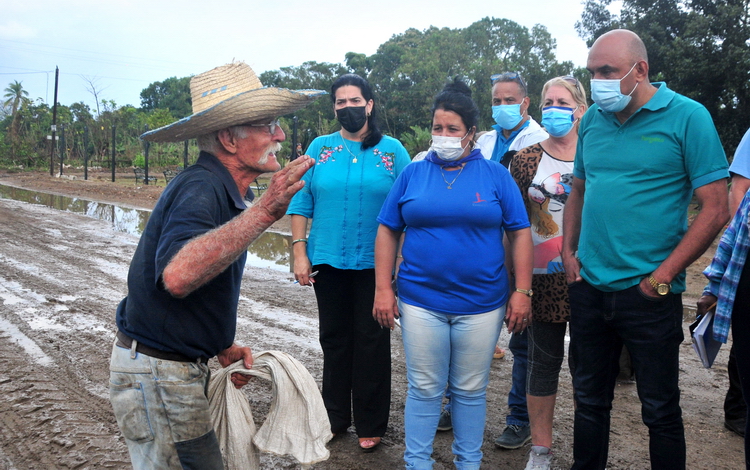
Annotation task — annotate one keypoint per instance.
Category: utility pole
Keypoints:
(114, 162)
(54, 127)
(146, 147)
(294, 155)
(85, 152)
(64, 147)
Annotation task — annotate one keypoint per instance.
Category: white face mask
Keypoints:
(448, 148)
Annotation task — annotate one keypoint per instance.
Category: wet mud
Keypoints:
(62, 275)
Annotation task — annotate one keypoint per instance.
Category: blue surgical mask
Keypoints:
(558, 120)
(507, 116)
(607, 94)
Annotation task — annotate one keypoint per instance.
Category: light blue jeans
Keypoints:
(452, 349)
(162, 411)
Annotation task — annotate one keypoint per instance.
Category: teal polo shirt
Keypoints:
(639, 179)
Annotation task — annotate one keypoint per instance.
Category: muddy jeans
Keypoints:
(162, 411)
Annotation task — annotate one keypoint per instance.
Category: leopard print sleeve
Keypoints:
(523, 168)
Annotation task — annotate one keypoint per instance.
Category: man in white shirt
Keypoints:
(514, 129)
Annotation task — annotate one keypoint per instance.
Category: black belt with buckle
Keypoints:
(125, 341)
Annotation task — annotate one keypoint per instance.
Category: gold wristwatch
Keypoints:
(661, 289)
(526, 292)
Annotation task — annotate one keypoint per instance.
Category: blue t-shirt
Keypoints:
(741, 161)
(344, 197)
(199, 199)
(454, 261)
(640, 177)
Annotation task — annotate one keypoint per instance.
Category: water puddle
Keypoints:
(270, 250)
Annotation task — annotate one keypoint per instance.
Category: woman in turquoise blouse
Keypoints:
(353, 172)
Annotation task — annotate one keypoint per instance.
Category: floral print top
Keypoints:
(343, 194)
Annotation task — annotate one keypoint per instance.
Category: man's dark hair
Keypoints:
(508, 77)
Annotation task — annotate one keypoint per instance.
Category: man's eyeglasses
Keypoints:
(509, 77)
(271, 127)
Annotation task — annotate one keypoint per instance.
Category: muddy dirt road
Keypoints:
(62, 275)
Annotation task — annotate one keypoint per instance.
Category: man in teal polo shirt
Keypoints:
(643, 152)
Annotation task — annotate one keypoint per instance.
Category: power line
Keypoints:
(117, 62)
(94, 56)
(70, 73)
(23, 73)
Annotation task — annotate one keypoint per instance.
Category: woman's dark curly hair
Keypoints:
(456, 97)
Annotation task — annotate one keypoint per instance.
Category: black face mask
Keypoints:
(352, 118)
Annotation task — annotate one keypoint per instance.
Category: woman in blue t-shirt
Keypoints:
(453, 288)
(353, 172)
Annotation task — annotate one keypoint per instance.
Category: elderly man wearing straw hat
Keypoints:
(184, 280)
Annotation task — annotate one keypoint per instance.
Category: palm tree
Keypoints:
(15, 95)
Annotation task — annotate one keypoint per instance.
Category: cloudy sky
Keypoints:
(122, 46)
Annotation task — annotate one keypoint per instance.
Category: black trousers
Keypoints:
(741, 342)
(356, 351)
(734, 403)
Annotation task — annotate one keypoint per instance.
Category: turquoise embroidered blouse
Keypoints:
(343, 198)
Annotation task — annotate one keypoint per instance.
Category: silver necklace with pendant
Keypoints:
(450, 185)
(354, 160)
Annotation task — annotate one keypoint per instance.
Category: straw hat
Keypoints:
(227, 96)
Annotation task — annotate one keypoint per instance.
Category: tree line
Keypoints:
(699, 47)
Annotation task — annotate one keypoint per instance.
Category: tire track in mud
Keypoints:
(57, 416)
(48, 422)
(61, 278)
(62, 275)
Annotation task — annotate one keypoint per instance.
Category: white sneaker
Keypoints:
(540, 458)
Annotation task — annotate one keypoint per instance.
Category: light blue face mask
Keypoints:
(507, 116)
(558, 120)
(607, 94)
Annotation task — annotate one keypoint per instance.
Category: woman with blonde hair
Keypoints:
(544, 173)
